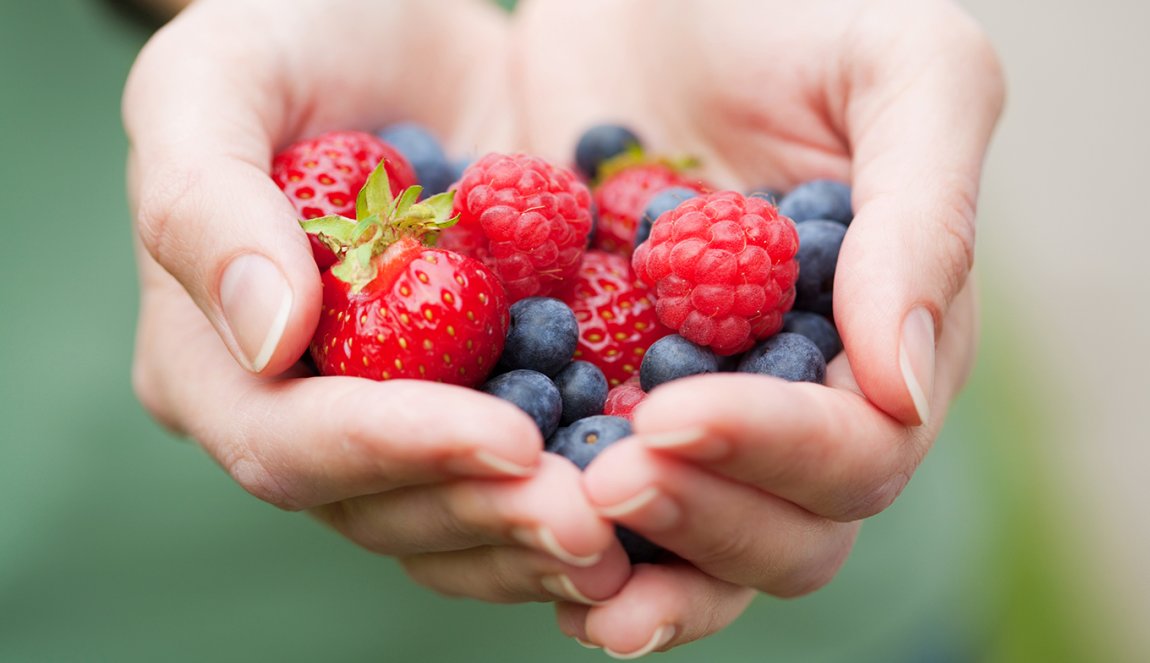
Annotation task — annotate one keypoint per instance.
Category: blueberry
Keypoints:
(789, 356)
(818, 199)
(600, 143)
(673, 357)
(772, 196)
(663, 201)
(638, 549)
(532, 392)
(426, 155)
(819, 244)
(817, 328)
(584, 440)
(581, 443)
(541, 337)
(583, 388)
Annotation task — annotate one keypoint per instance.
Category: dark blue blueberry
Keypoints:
(584, 440)
(817, 328)
(663, 201)
(819, 244)
(423, 150)
(458, 166)
(584, 390)
(532, 392)
(673, 357)
(792, 357)
(818, 199)
(541, 337)
(600, 143)
(581, 443)
(772, 196)
(638, 549)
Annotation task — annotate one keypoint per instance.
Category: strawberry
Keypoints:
(394, 307)
(525, 219)
(321, 176)
(627, 184)
(616, 316)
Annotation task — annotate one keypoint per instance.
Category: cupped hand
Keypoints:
(231, 295)
(758, 484)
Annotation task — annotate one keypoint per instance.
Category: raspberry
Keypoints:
(623, 399)
(723, 268)
(525, 219)
(616, 316)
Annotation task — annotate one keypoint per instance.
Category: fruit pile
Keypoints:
(571, 293)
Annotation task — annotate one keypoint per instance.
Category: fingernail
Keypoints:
(693, 442)
(659, 638)
(562, 587)
(485, 464)
(588, 645)
(916, 359)
(256, 301)
(542, 538)
(659, 512)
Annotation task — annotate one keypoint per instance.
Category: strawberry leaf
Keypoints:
(357, 267)
(375, 196)
(335, 232)
(406, 200)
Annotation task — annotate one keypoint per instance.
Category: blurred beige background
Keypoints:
(1063, 212)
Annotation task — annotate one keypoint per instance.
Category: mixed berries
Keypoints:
(492, 274)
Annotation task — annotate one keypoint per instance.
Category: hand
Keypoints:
(758, 484)
(231, 295)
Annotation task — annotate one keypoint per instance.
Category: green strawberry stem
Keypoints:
(381, 221)
(635, 156)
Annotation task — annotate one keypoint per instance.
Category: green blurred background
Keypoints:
(120, 543)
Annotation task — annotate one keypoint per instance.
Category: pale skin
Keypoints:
(899, 97)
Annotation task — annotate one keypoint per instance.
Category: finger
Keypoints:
(704, 519)
(302, 442)
(509, 574)
(661, 607)
(547, 512)
(203, 129)
(919, 118)
(827, 449)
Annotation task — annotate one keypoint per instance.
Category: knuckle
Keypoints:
(809, 573)
(255, 477)
(165, 201)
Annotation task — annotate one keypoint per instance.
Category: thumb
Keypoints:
(207, 210)
(919, 128)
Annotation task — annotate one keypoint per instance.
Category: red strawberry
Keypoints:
(395, 308)
(723, 267)
(525, 219)
(321, 176)
(624, 398)
(622, 195)
(616, 315)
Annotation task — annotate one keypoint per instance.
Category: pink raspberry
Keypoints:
(723, 268)
(525, 219)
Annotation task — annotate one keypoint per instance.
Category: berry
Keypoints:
(772, 196)
(673, 357)
(819, 244)
(600, 143)
(792, 357)
(532, 392)
(423, 152)
(581, 443)
(322, 176)
(542, 336)
(623, 399)
(818, 199)
(586, 438)
(818, 329)
(395, 308)
(723, 270)
(623, 195)
(525, 219)
(616, 315)
(660, 203)
(583, 388)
